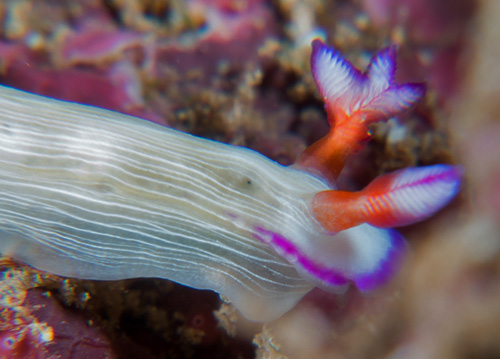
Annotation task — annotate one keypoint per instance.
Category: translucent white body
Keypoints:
(93, 194)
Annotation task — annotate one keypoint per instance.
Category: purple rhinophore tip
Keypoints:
(348, 90)
(416, 193)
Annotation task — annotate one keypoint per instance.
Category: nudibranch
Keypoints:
(90, 193)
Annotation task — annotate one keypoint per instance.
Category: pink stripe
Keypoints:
(364, 282)
(288, 250)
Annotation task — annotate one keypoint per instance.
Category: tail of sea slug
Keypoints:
(353, 100)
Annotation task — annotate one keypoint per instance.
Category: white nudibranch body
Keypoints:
(93, 194)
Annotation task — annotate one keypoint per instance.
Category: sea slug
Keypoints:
(90, 193)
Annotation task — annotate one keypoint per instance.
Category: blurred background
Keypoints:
(238, 72)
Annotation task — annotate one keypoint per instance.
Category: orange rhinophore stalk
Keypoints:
(353, 101)
(396, 199)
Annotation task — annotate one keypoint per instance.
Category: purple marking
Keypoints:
(373, 90)
(284, 244)
(365, 282)
(338, 62)
(232, 215)
(387, 267)
(288, 250)
(440, 175)
(431, 175)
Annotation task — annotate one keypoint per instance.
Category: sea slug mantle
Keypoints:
(94, 194)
